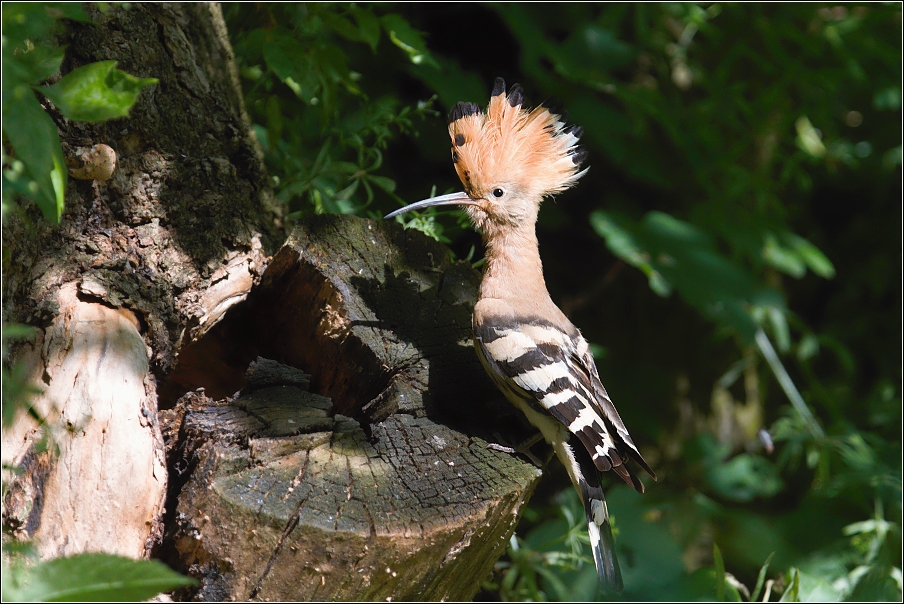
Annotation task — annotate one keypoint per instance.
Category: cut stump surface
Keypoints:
(287, 496)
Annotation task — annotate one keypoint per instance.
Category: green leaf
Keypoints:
(368, 25)
(782, 258)
(621, 241)
(808, 138)
(67, 10)
(779, 325)
(792, 592)
(36, 65)
(887, 99)
(282, 53)
(408, 39)
(812, 255)
(26, 21)
(744, 477)
(387, 184)
(18, 331)
(761, 578)
(341, 26)
(34, 137)
(808, 347)
(93, 577)
(720, 573)
(96, 92)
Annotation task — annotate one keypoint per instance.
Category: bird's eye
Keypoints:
(498, 192)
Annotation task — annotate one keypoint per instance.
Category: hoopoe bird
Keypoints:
(508, 159)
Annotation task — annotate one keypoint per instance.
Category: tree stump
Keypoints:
(287, 496)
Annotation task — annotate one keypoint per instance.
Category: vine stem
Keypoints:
(787, 383)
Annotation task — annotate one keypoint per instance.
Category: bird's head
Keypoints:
(508, 158)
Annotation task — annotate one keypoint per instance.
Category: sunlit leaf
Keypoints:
(408, 39)
(815, 259)
(622, 243)
(96, 92)
(34, 137)
(808, 138)
(760, 579)
(786, 260)
(93, 577)
(792, 591)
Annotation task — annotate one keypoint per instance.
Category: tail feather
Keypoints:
(601, 540)
(586, 479)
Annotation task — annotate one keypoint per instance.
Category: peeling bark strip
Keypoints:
(105, 490)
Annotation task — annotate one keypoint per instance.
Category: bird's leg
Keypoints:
(523, 448)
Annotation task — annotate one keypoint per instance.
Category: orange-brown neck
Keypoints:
(514, 273)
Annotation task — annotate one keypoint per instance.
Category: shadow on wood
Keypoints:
(378, 486)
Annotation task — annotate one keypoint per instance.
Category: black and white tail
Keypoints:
(601, 540)
(598, 526)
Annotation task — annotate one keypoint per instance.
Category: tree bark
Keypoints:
(140, 264)
(375, 484)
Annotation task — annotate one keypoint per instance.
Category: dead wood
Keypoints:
(289, 498)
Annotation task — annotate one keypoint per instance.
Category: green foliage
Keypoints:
(323, 137)
(552, 552)
(89, 578)
(94, 92)
(746, 160)
(676, 254)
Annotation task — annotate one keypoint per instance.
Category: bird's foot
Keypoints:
(523, 448)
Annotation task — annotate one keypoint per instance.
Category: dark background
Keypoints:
(748, 157)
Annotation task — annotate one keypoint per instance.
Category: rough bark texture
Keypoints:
(156, 276)
(140, 263)
(284, 501)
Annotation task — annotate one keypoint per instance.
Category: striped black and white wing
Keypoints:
(539, 361)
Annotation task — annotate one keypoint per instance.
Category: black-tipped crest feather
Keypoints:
(498, 87)
(554, 105)
(512, 141)
(463, 109)
(515, 96)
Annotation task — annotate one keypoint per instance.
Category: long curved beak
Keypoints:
(452, 199)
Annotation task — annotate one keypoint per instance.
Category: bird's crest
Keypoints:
(533, 150)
